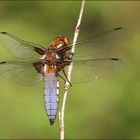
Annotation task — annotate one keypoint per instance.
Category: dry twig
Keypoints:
(76, 33)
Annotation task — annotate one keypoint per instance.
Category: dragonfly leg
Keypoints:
(62, 77)
(65, 80)
(66, 77)
(70, 56)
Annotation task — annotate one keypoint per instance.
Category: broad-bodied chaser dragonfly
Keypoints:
(35, 62)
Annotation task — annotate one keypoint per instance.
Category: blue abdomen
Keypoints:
(51, 96)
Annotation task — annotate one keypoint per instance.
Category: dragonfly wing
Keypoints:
(100, 42)
(20, 72)
(92, 69)
(20, 48)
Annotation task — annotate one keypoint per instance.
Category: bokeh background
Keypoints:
(105, 108)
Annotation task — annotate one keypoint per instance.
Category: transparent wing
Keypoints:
(20, 48)
(92, 69)
(100, 42)
(20, 72)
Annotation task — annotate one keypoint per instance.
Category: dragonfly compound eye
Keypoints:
(58, 40)
(66, 41)
(61, 40)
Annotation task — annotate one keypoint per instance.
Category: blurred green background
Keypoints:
(105, 108)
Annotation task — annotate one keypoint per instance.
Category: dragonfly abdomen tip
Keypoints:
(51, 121)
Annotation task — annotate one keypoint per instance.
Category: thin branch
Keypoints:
(67, 85)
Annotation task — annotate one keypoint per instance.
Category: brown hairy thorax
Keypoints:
(58, 48)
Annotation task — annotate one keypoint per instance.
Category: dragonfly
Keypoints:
(35, 62)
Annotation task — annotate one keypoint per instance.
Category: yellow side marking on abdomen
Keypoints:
(57, 88)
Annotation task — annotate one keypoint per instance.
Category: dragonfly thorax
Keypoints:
(57, 50)
(50, 56)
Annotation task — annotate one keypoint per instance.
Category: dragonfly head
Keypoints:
(59, 43)
(61, 40)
